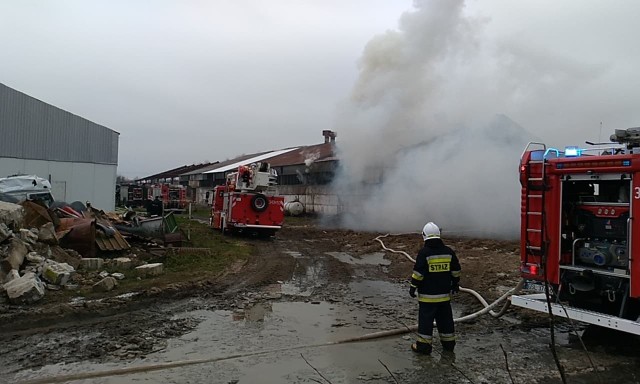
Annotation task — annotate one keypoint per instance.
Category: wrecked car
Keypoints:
(18, 188)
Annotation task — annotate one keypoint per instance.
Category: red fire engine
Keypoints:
(174, 196)
(246, 202)
(580, 243)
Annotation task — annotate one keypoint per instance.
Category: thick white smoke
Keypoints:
(422, 137)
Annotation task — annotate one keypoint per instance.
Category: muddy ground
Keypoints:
(310, 285)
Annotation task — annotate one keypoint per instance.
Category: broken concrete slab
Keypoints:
(91, 263)
(148, 270)
(122, 263)
(70, 256)
(12, 215)
(118, 275)
(103, 274)
(5, 232)
(29, 236)
(105, 285)
(35, 258)
(25, 290)
(12, 275)
(16, 254)
(47, 234)
(57, 273)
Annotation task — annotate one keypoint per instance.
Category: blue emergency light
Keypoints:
(572, 152)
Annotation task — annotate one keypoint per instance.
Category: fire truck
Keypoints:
(247, 203)
(172, 196)
(580, 240)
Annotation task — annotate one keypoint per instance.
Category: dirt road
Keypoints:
(309, 286)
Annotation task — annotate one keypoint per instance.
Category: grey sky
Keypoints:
(189, 81)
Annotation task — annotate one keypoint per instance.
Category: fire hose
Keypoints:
(488, 308)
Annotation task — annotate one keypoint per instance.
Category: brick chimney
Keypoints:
(329, 136)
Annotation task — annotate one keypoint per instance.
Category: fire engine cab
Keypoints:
(580, 242)
(247, 203)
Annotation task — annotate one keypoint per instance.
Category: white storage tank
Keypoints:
(293, 208)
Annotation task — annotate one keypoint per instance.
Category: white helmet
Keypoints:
(430, 231)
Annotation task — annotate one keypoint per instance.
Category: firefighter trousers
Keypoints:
(442, 314)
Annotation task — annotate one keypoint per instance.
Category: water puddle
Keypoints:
(255, 312)
(288, 330)
(308, 275)
(275, 327)
(376, 258)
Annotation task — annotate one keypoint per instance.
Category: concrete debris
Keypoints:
(123, 263)
(47, 234)
(105, 285)
(5, 232)
(29, 236)
(35, 258)
(12, 275)
(91, 263)
(12, 215)
(68, 256)
(53, 287)
(57, 273)
(44, 243)
(149, 270)
(25, 290)
(16, 253)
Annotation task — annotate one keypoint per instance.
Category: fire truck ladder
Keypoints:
(534, 206)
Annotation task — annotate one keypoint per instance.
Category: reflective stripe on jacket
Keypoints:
(436, 269)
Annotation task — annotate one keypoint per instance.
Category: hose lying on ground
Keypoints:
(487, 307)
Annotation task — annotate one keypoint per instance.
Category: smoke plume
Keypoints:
(423, 134)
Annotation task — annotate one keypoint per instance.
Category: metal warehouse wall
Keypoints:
(70, 181)
(32, 129)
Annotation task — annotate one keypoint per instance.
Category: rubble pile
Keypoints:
(61, 248)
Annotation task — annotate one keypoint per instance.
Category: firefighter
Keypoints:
(435, 277)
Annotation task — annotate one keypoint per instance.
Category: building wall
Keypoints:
(70, 181)
(79, 157)
(318, 199)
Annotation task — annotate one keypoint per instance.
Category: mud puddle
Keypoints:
(308, 275)
(376, 258)
(276, 327)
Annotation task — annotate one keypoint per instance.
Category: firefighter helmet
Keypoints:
(430, 231)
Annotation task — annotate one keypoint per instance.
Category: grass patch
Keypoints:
(186, 266)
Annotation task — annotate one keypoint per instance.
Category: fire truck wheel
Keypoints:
(259, 203)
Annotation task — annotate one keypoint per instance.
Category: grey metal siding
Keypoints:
(32, 129)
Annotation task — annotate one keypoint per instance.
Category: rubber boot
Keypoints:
(422, 348)
(448, 346)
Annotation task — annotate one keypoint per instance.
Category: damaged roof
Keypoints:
(248, 160)
(314, 153)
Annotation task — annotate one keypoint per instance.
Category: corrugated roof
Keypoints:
(180, 171)
(114, 243)
(221, 164)
(313, 153)
(238, 162)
